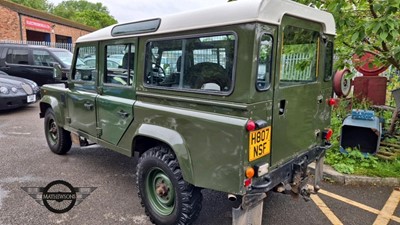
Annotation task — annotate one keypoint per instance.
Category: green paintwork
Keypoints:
(306, 111)
(162, 204)
(205, 130)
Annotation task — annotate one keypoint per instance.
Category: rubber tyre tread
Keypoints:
(188, 200)
(64, 142)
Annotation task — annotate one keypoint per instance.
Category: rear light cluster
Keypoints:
(327, 134)
(250, 172)
(331, 101)
(251, 125)
(259, 169)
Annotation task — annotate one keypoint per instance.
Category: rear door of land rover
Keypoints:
(299, 102)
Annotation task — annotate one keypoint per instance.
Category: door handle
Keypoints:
(282, 105)
(88, 105)
(123, 114)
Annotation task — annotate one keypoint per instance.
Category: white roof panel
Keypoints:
(240, 11)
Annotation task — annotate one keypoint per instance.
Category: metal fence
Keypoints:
(292, 68)
(68, 46)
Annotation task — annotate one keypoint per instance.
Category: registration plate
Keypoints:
(31, 98)
(259, 143)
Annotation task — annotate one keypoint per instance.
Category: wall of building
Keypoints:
(12, 22)
(9, 25)
(56, 29)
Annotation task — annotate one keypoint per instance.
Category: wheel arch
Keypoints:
(51, 102)
(148, 136)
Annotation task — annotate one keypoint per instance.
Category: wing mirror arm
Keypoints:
(60, 75)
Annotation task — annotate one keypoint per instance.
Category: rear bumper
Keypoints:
(285, 173)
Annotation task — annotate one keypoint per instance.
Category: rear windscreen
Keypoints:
(299, 55)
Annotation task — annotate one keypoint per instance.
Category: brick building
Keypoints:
(23, 24)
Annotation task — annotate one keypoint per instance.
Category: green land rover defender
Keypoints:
(232, 98)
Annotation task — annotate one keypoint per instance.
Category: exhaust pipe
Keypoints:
(232, 197)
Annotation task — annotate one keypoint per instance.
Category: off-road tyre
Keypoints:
(157, 167)
(58, 139)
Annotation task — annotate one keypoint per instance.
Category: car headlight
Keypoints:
(4, 90)
(33, 85)
(14, 89)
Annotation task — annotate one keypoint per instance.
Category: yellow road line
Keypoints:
(395, 218)
(349, 201)
(388, 209)
(324, 208)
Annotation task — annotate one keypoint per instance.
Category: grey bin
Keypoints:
(364, 135)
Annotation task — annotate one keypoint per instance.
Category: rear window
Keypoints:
(299, 55)
(17, 56)
(203, 63)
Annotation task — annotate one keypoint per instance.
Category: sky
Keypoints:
(129, 10)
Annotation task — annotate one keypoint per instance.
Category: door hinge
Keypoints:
(99, 131)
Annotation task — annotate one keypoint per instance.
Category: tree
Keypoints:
(82, 11)
(42, 5)
(365, 25)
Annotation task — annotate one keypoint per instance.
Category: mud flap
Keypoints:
(250, 211)
(318, 173)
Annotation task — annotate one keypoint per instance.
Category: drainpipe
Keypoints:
(20, 26)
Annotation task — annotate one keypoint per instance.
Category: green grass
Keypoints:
(383, 169)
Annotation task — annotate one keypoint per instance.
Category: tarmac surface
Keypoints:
(26, 161)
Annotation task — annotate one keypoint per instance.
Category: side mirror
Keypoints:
(57, 71)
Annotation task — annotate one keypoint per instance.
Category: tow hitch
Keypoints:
(300, 180)
(251, 210)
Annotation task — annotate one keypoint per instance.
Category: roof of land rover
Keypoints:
(240, 11)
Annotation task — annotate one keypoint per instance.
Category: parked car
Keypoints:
(118, 57)
(17, 92)
(111, 62)
(33, 62)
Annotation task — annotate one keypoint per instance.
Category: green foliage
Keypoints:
(42, 5)
(355, 162)
(383, 169)
(365, 25)
(82, 11)
(351, 162)
(91, 14)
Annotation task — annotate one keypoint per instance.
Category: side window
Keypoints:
(203, 63)
(299, 55)
(17, 56)
(328, 61)
(42, 58)
(264, 69)
(85, 67)
(119, 64)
